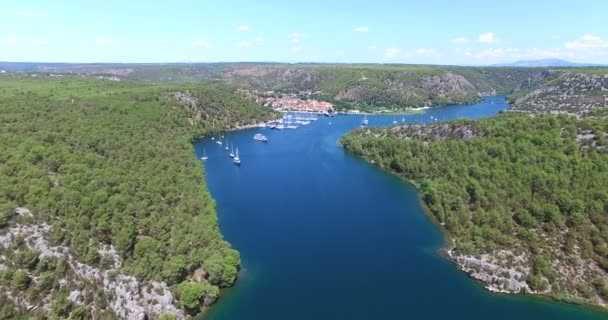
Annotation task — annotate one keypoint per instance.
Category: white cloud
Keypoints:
(392, 53)
(362, 29)
(242, 28)
(103, 40)
(10, 40)
(259, 39)
(372, 47)
(487, 38)
(395, 54)
(294, 37)
(313, 58)
(491, 53)
(296, 49)
(26, 12)
(200, 43)
(427, 53)
(459, 40)
(244, 44)
(587, 41)
(535, 53)
(40, 42)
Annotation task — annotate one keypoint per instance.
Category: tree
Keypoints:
(27, 259)
(79, 313)
(21, 280)
(45, 281)
(190, 294)
(173, 270)
(5, 213)
(61, 305)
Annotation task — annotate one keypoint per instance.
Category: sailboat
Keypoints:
(260, 137)
(226, 148)
(237, 160)
(365, 122)
(219, 140)
(204, 157)
(231, 151)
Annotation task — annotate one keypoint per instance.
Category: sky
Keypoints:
(462, 32)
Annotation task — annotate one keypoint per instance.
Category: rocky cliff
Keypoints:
(574, 93)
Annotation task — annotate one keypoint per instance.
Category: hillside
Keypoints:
(362, 86)
(522, 198)
(104, 212)
(579, 92)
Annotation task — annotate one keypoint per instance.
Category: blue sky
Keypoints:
(469, 32)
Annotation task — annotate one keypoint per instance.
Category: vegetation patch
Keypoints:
(111, 162)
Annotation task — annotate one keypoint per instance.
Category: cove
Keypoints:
(324, 235)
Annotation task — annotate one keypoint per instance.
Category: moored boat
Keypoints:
(237, 160)
(260, 137)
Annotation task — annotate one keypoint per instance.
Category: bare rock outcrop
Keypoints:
(130, 297)
(574, 94)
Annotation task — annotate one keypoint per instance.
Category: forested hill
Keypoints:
(104, 211)
(368, 86)
(578, 92)
(523, 197)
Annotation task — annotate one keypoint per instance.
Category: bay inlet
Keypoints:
(324, 235)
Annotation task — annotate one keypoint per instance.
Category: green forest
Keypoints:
(113, 163)
(518, 182)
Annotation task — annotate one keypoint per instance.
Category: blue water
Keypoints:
(324, 235)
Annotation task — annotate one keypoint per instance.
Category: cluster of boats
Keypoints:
(234, 153)
(291, 121)
(365, 122)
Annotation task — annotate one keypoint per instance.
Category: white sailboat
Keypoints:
(260, 137)
(365, 121)
(237, 160)
(204, 157)
(226, 148)
(231, 151)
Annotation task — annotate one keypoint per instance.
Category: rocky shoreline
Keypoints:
(128, 297)
(495, 278)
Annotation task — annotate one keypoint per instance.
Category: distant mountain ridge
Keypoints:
(545, 63)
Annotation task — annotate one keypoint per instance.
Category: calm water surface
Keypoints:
(324, 235)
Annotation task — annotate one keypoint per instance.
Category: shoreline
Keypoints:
(247, 126)
(446, 250)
